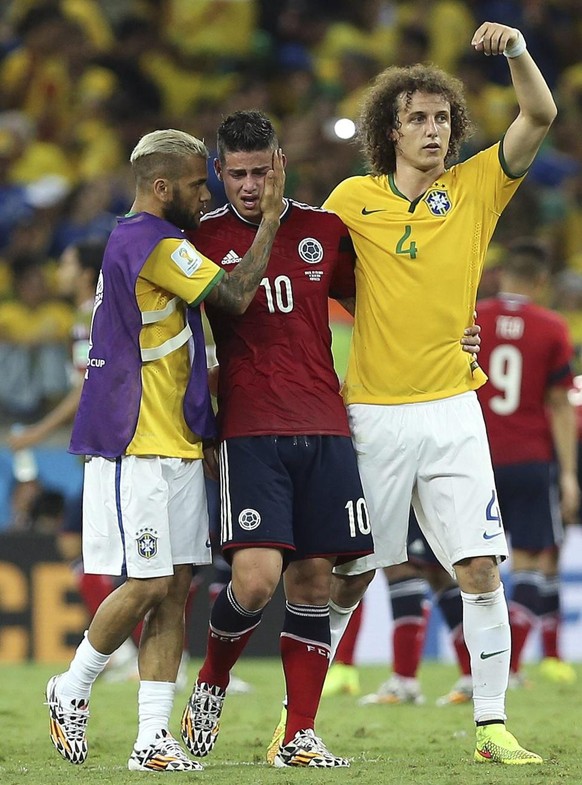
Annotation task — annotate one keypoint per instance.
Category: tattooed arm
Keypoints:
(236, 289)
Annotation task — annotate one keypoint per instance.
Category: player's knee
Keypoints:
(152, 591)
(478, 575)
(253, 591)
(347, 590)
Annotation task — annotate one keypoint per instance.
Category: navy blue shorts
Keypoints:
(301, 494)
(213, 500)
(529, 503)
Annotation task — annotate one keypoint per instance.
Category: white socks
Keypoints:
(339, 618)
(155, 701)
(85, 666)
(488, 639)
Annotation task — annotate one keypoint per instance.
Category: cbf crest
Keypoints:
(437, 201)
(147, 543)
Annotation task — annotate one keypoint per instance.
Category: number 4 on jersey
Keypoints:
(400, 247)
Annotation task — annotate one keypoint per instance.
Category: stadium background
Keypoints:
(81, 80)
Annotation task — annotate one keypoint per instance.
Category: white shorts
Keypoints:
(141, 516)
(434, 455)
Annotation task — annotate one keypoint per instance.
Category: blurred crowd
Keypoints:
(82, 80)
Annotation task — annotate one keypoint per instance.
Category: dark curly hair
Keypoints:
(245, 131)
(379, 111)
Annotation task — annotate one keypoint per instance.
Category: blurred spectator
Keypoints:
(412, 45)
(568, 303)
(77, 275)
(172, 87)
(33, 75)
(221, 29)
(87, 216)
(34, 329)
(570, 89)
(89, 14)
(32, 236)
(294, 87)
(13, 204)
(86, 138)
(123, 61)
(32, 158)
(35, 508)
(367, 27)
(356, 71)
(551, 29)
(566, 190)
(492, 106)
(46, 514)
(449, 25)
(523, 214)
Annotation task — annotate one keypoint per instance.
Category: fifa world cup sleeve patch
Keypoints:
(186, 258)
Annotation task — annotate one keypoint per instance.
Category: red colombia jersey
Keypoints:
(276, 367)
(525, 350)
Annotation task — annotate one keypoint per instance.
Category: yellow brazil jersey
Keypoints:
(173, 275)
(49, 322)
(417, 269)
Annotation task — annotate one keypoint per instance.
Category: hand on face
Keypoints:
(274, 189)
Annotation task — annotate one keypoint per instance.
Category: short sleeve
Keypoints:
(178, 267)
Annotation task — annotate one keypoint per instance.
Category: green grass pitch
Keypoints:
(389, 745)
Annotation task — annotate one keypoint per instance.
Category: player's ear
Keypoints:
(161, 188)
(218, 168)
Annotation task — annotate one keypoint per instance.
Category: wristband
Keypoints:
(517, 48)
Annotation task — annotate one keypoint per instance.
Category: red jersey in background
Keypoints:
(525, 350)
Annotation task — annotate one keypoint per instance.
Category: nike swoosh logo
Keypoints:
(485, 754)
(486, 655)
(369, 212)
(490, 536)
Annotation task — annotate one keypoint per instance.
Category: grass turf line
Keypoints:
(389, 745)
